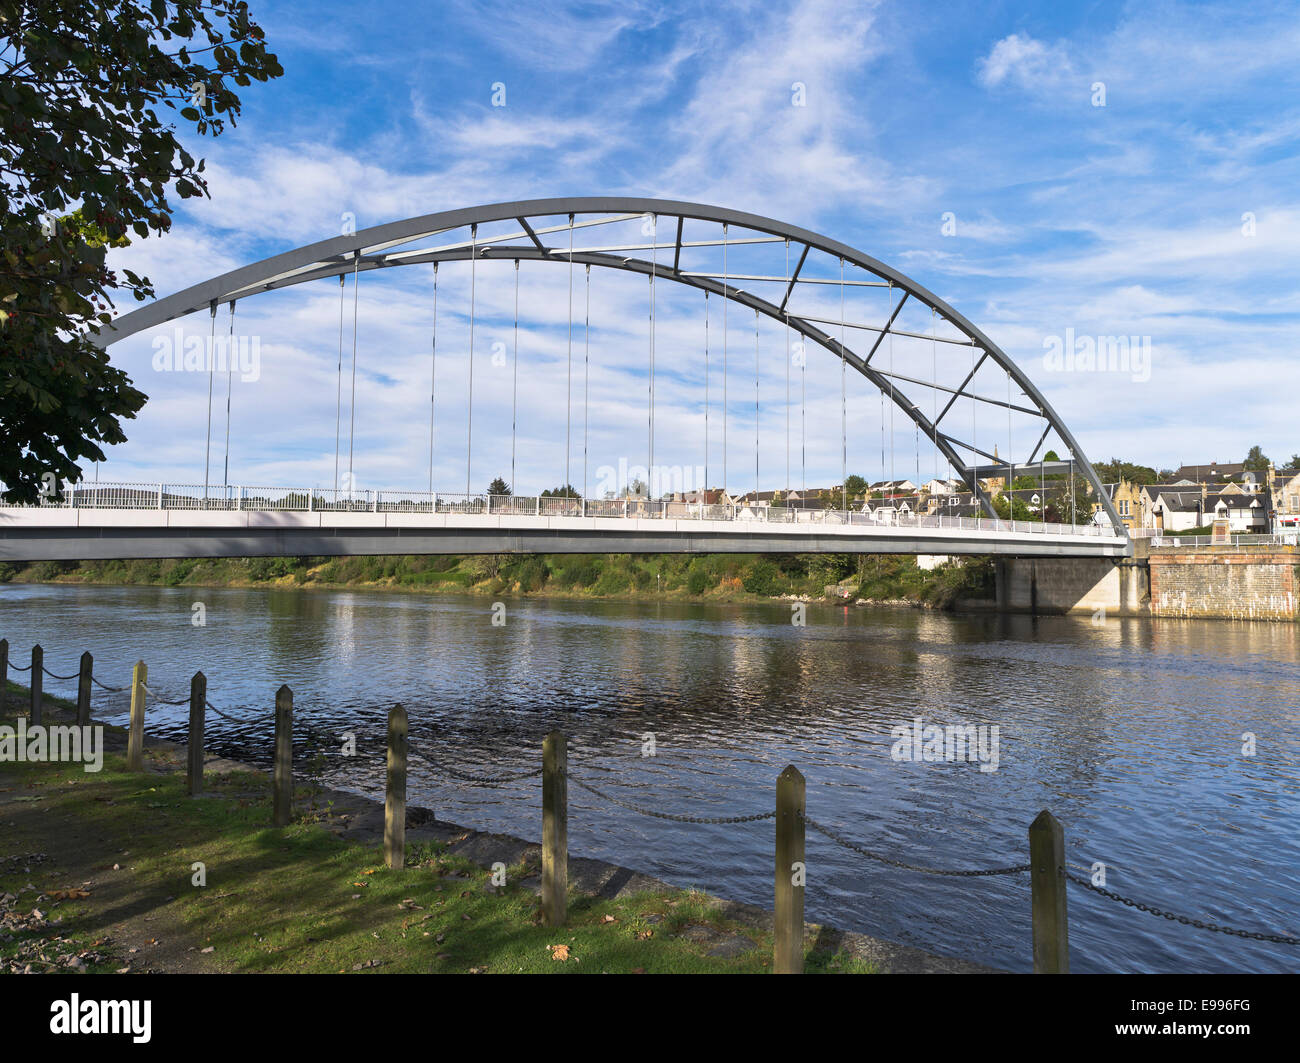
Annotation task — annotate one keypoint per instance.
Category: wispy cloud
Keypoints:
(1171, 211)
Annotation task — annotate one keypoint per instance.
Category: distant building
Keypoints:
(1127, 498)
(1211, 472)
(1175, 508)
(1172, 507)
(1283, 488)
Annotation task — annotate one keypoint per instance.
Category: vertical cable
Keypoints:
(1073, 519)
(705, 486)
(352, 401)
(212, 366)
(892, 401)
(230, 365)
(514, 387)
(338, 397)
(726, 298)
(889, 488)
(756, 417)
(934, 391)
(469, 406)
(803, 414)
(586, 375)
(787, 376)
(974, 424)
(568, 390)
(433, 376)
(654, 267)
(844, 407)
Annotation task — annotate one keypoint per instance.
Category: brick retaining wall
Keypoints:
(1238, 583)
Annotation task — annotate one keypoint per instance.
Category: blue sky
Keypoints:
(1170, 212)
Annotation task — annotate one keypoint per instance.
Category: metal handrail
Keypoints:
(165, 496)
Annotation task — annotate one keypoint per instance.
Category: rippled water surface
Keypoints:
(1130, 733)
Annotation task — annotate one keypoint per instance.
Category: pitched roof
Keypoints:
(1210, 471)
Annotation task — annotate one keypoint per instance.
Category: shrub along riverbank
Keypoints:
(706, 577)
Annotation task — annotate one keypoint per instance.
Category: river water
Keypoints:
(1130, 732)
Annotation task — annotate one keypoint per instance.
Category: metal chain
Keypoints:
(1277, 939)
(473, 780)
(224, 716)
(827, 832)
(668, 815)
(74, 675)
(111, 690)
(163, 701)
(19, 667)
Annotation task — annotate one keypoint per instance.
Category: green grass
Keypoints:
(301, 899)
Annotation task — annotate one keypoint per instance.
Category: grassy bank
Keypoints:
(709, 577)
(98, 874)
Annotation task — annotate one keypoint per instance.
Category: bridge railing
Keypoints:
(330, 500)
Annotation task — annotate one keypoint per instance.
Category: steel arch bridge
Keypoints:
(519, 231)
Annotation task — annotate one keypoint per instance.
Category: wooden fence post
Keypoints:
(787, 952)
(555, 829)
(282, 776)
(194, 746)
(135, 737)
(395, 792)
(83, 689)
(38, 683)
(4, 676)
(1047, 875)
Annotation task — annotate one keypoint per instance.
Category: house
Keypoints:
(956, 504)
(1245, 511)
(1283, 487)
(1126, 496)
(1175, 509)
(940, 486)
(887, 511)
(1172, 507)
(1211, 472)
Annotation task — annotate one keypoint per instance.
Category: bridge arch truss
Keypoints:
(530, 223)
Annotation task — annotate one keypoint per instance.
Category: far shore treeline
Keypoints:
(711, 577)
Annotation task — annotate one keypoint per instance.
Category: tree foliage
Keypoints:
(87, 160)
(1256, 460)
(1115, 470)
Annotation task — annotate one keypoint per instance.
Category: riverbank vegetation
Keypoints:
(709, 577)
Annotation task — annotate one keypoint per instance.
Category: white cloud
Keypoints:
(1026, 62)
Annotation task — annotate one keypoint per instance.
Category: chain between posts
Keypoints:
(75, 675)
(827, 832)
(223, 715)
(473, 780)
(1186, 920)
(163, 701)
(500, 780)
(668, 815)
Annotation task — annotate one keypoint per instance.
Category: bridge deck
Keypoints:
(57, 533)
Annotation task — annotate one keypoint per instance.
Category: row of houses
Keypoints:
(1248, 500)
(1197, 496)
(901, 497)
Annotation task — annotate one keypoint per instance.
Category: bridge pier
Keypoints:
(1097, 585)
